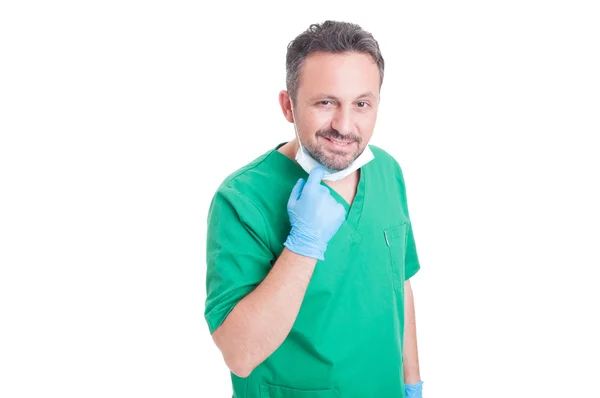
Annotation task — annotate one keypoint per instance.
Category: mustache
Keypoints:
(335, 135)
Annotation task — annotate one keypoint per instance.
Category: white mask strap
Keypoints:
(296, 128)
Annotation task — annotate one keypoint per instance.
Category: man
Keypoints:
(310, 246)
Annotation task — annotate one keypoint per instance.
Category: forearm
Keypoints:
(411, 357)
(261, 321)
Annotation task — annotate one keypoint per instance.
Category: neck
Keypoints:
(350, 179)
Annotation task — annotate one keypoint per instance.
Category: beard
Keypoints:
(332, 159)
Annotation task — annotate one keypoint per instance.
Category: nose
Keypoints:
(342, 121)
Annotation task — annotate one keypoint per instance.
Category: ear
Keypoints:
(286, 105)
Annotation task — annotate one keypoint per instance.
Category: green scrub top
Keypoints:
(347, 340)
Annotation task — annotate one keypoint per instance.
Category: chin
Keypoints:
(338, 162)
(332, 159)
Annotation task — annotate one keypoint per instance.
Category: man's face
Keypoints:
(336, 106)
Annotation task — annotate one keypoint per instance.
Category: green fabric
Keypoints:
(347, 339)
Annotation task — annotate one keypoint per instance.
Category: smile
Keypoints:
(339, 143)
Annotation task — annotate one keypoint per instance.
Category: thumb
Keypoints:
(296, 192)
(316, 175)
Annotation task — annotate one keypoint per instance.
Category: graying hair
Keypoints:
(332, 37)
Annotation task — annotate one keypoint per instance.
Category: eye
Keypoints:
(325, 102)
(362, 104)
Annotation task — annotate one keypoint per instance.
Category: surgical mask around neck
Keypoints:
(308, 163)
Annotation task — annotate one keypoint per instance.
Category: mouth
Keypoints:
(338, 143)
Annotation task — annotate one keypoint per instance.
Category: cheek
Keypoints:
(320, 120)
(366, 125)
(315, 123)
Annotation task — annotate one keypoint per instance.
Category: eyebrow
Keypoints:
(333, 97)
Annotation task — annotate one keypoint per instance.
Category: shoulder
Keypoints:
(384, 159)
(239, 176)
(246, 188)
(248, 196)
(382, 155)
(247, 178)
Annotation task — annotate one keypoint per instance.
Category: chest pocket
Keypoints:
(396, 238)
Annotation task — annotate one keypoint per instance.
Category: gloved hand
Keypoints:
(315, 216)
(414, 390)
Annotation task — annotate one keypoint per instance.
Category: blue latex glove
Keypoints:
(315, 216)
(414, 390)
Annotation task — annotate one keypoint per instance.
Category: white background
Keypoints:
(119, 119)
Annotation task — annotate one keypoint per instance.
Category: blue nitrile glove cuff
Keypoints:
(303, 244)
(414, 390)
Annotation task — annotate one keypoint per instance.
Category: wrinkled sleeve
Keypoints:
(411, 259)
(237, 253)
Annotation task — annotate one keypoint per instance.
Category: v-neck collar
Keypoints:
(354, 211)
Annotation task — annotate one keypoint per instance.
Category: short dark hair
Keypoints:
(332, 37)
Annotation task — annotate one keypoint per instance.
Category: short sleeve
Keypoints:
(411, 258)
(238, 257)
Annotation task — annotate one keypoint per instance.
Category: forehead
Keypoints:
(347, 74)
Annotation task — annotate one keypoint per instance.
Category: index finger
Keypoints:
(315, 176)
